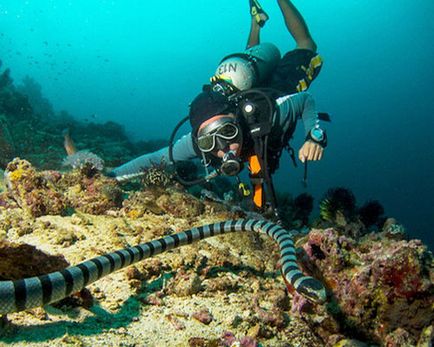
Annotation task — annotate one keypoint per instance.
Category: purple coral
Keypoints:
(379, 284)
(229, 339)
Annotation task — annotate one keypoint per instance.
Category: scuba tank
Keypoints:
(242, 71)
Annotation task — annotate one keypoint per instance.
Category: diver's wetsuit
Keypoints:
(291, 107)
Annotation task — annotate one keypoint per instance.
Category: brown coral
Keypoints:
(157, 176)
(95, 195)
(32, 191)
(21, 260)
(140, 203)
(180, 204)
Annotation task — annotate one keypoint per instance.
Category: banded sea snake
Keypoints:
(37, 291)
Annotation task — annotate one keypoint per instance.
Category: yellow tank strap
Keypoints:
(314, 64)
(243, 189)
(316, 61)
(302, 85)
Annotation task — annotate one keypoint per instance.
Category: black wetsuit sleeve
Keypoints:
(182, 150)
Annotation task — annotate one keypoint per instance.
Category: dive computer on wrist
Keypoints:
(318, 136)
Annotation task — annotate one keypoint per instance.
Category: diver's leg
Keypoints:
(259, 18)
(255, 30)
(296, 25)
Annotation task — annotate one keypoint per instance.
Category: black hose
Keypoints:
(172, 160)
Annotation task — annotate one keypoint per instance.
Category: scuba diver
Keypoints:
(248, 114)
(292, 73)
(252, 126)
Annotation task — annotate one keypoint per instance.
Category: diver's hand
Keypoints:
(310, 151)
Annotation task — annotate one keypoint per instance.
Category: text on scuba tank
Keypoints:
(225, 68)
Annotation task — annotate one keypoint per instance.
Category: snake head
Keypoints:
(313, 290)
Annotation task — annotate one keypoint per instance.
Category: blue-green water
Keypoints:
(140, 63)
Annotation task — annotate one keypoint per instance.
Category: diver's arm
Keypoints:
(306, 110)
(182, 150)
(301, 105)
(295, 106)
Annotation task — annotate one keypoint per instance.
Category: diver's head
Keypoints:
(206, 105)
(219, 135)
(216, 130)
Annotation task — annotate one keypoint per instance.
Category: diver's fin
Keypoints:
(258, 13)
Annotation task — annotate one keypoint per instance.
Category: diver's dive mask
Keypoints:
(218, 135)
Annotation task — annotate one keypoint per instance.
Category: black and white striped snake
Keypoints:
(36, 291)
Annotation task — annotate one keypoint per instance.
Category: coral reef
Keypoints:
(218, 292)
(378, 284)
(41, 106)
(180, 205)
(338, 206)
(222, 291)
(96, 194)
(171, 202)
(157, 176)
(7, 148)
(22, 260)
(12, 103)
(87, 162)
(294, 212)
(303, 206)
(53, 193)
(31, 129)
(31, 191)
(371, 213)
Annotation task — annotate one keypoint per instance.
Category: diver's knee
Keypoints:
(307, 44)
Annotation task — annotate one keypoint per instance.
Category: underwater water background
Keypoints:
(140, 63)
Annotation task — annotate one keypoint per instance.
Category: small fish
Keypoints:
(68, 143)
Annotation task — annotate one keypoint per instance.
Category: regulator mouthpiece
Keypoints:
(231, 165)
